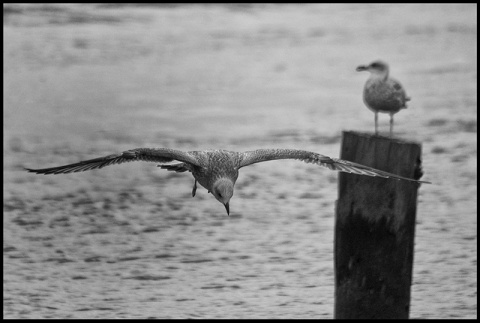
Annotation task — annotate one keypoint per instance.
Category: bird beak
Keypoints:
(227, 207)
(362, 68)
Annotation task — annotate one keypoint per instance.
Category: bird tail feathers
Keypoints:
(179, 168)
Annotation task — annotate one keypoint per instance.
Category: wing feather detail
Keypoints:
(261, 155)
(158, 155)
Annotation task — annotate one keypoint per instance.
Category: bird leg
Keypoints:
(391, 124)
(376, 121)
(194, 190)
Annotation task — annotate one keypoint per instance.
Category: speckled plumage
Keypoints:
(216, 170)
(382, 93)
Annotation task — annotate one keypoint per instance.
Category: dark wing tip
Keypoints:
(31, 170)
(424, 182)
(37, 171)
(45, 171)
(359, 169)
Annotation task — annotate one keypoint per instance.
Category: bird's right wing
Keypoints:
(158, 155)
(261, 155)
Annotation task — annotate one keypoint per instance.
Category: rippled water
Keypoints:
(129, 241)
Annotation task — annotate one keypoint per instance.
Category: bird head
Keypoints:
(222, 189)
(379, 68)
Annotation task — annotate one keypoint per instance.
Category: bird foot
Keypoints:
(194, 190)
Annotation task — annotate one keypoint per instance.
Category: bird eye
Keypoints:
(219, 194)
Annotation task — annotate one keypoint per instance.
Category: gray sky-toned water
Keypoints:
(129, 241)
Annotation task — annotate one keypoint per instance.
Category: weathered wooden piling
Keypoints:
(375, 229)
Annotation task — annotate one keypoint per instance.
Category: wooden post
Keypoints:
(375, 229)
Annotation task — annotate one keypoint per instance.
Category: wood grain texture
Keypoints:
(375, 228)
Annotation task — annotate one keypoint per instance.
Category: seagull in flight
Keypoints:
(216, 170)
(382, 93)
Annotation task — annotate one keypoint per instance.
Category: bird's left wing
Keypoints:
(398, 92)
(261, 155)
(159, 155)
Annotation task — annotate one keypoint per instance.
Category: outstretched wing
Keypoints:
(158, 155)
(261, 155)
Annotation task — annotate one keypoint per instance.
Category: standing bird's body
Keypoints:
(216, 170)
(382, 93)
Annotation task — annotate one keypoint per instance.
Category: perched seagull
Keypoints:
(216, 170)
(381, 93)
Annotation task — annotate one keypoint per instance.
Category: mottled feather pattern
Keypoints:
(261, 155)
(381, 93)
(384, 96)
(220, 164)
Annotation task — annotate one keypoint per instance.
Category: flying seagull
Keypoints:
(216, 170)
(382, 93)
